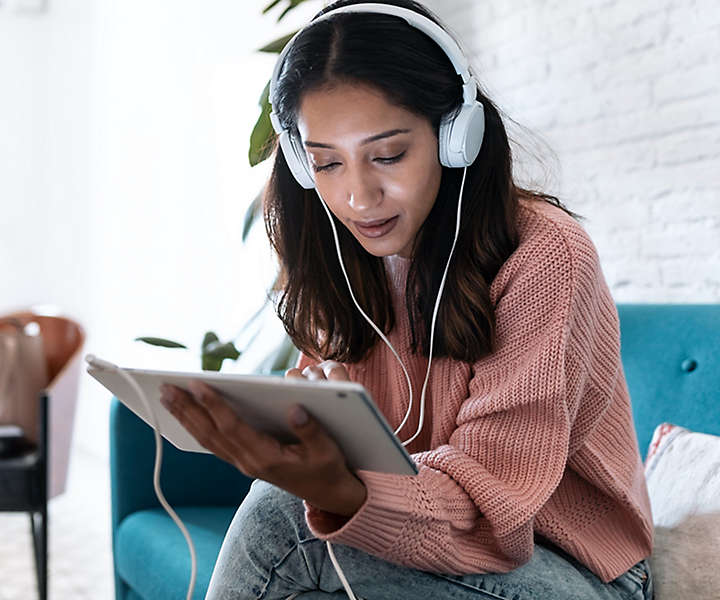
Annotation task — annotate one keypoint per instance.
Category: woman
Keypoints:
(530, 481)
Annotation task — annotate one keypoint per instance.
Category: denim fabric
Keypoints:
(269, 553)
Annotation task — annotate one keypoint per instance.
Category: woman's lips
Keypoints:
(376, 229)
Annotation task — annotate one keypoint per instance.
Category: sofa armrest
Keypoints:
(186, 478)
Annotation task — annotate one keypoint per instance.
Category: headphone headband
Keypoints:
(414, 19)
(460, 133)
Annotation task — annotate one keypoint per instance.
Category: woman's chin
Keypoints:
(383, 249)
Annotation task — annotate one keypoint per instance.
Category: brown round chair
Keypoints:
(39, 473)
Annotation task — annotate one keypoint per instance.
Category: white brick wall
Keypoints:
(627, 96)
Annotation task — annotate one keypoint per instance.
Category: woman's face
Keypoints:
(375, 164)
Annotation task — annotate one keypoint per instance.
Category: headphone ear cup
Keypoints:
(296, 160)
(460, 138)
(444, 140)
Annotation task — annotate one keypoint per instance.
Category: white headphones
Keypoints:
(460, 136)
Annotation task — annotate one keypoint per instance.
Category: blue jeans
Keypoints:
(269, 553)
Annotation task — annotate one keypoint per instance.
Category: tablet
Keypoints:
(345, 409)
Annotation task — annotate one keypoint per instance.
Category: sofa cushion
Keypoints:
(153, 558)
(671, 359)
(682, 470)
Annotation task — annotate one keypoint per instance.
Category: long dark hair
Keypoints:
(311, 294)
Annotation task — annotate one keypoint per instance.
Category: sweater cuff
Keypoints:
(378, 523)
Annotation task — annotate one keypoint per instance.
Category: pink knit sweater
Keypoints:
(535, 439)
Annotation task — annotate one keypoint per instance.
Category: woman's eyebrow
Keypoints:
(372, 138)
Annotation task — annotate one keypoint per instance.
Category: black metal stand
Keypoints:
(39, 528)
(24, 488)
(38, 525)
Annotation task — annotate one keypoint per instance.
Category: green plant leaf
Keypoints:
(277, 45)
(270, 6)
(262, 136)
(264, 99)
(221, 350)
(155, 341)
(214, 352)
(209, 337)
(210, 363)
(251, 215)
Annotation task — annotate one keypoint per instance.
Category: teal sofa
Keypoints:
(671, 358)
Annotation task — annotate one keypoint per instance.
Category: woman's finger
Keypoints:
(240, 436)
(312, 435)
(193, 417)
(314, 373)
(214, 403)
(294, 372)
(334, 370)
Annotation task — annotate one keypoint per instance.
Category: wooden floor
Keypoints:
(80, 556)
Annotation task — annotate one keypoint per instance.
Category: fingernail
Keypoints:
(299, 416)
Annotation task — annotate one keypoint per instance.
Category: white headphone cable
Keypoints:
(339, 571)
(362, 312)
(156, 477)
(435, 312)
(434, 317)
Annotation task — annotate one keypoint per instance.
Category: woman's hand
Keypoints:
(328, 369)
(313, 469)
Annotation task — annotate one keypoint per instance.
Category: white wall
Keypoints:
(627, 95)
(44, 154)
(124, 178)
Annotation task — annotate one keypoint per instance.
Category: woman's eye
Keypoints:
(390, 159)
(326, 167)
(385, 160)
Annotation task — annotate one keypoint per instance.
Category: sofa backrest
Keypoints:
(671, 358)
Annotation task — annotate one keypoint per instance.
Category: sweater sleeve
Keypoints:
(472, 506)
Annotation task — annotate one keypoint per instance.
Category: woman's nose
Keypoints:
(363, 195)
